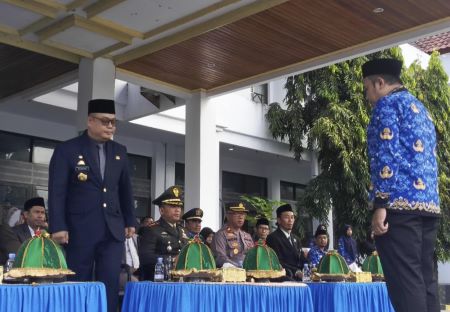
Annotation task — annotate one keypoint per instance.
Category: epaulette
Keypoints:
(154, 223)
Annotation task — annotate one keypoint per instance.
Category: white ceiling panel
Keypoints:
(15, 17)
(83, 39)
(145, 15)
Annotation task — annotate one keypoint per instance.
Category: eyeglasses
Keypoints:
(106, 121)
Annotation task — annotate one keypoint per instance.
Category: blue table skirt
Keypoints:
(198, 297)
(67, 297)
(349, 297)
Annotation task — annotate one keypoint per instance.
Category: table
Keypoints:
(67, 297)
(348, 297)
(220, 297)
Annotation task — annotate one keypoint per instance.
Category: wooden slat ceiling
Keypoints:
(21, 69)
(284, 35)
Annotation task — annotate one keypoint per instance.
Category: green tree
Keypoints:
(326, 109)
(264, 207)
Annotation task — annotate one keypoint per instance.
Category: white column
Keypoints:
(96, 81)
(202, 160)
(274, 191)
(170, 164)
(158, 174)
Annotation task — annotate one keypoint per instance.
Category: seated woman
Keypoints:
(347, 245)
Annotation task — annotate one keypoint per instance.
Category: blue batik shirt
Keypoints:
(402, 152)
(315, 254)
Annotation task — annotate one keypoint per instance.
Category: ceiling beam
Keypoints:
(153, 84)
(56, 28)
(196, 30)
(109, 49)
(391, 40)
(52, 4)
(75, 20)
(34, 6)
(117, 27)
(189, 18)
(19, 42)
(102, 30)
(100, 6)
(8, 30)
(38, 25)
(67, 48)
(76, 4)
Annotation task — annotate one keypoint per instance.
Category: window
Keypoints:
(291, 191)
(260, 93)
(140, 166)
(141, 207)
(43, 151)
(179, 174)
(236, 184)
(14, 147)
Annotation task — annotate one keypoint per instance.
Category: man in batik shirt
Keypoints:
(404, 187)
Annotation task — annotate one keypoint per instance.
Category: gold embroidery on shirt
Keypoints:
(386, 173)
(386, 134)
(419, 185)
(404, 204)
(418, 146)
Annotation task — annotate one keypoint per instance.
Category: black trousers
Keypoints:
(407, 256)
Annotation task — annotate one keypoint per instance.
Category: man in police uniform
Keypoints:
(193, 222)
(230, 244)
(165, 237)
(90, 200)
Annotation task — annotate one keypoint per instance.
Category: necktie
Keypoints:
(290, 240)
(101, 159)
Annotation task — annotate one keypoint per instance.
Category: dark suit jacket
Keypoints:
(22, 231)
(8, 243)
(291, 257)
(83, 207)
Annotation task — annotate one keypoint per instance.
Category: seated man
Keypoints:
(287, 245)
(193, 222)
(320, 247)
(165, 237)
(34, 215)
(9, 243)
(230, 244)
(262, 229)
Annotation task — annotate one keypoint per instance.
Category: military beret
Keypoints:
(262, 221)
(321, 230)
(101, 106)
(391, 67)
(172, 196)
(283, 208)
(236, 207)
(35, 201)
(193, 214)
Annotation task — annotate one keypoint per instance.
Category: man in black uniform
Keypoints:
(165, 237)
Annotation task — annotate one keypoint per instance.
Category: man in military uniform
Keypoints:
(230, 244)
(193, 222)
(165, 237)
